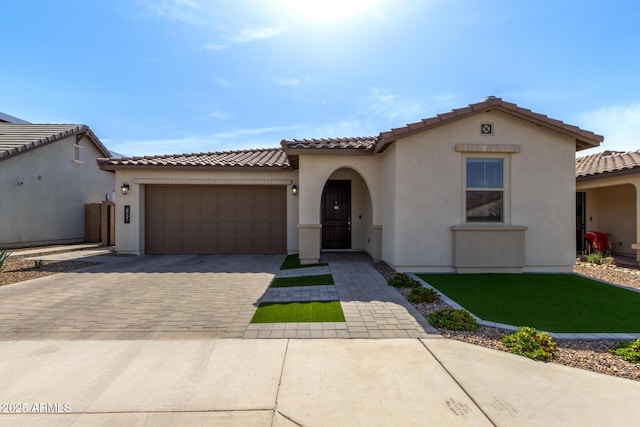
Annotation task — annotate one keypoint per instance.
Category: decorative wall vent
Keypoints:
(486, 129)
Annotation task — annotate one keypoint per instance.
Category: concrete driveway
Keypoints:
(149, 297)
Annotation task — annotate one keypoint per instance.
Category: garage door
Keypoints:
(215, 219)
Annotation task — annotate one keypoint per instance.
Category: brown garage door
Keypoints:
(215, 219)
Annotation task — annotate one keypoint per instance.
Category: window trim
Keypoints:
(506, 187)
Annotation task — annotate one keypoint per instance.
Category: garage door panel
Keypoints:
(215, 219)
(191, 229)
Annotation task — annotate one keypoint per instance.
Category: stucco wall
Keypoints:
(613, 210)
(130, 237)
(48, 207)
(388, 204)
(539, 192)
(315, 170)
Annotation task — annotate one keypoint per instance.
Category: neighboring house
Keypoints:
(47, 175)
(488, 187)
(607, 200)
(5, 118)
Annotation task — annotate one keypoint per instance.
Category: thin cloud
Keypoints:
(620, 125)
(236, 139)
(179, 10)
(244, 36)
(221, 115)
(393, 107)
(256, 131)
(225, 83)
(287, 82)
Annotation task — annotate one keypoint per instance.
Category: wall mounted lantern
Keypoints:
(294, 190)
(125, 188)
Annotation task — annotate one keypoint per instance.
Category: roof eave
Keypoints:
(329, 151)
(608, 174)
(114, 167)
(386, 138)
(582, 142)
(76, 130)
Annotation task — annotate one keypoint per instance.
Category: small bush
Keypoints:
(454, 320)
(595, 258)
(401, 280)
(3, 257)
(528, 342)
(422, 294)
(38, 263)
(629, 351)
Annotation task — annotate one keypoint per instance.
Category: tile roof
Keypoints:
(584, 138)
(607, 162)
(10, 119)
(260, 158)
(354, 143)
(17, 138)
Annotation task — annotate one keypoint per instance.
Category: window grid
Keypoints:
(484, 189)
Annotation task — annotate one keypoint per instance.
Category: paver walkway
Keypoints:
(372, 309)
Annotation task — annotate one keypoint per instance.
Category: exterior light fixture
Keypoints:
(294, 190)
(125, 188)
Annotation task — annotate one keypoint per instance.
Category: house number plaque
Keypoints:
(127, 214)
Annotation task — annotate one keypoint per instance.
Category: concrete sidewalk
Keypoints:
(432, 382)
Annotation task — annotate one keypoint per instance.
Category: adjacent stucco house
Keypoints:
(607, 186)
(488, 187)
(47, 175)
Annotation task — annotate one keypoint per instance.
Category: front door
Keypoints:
(336, 215)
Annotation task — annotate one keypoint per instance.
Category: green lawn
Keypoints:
(549, 302)
(315, 311)
(292, 261)
(285, 282)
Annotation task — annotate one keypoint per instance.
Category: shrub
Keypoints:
(527, 341)
(422, 294)
(3, 257)
(454, 320)
(629, 351)
(38, 263)
(401, 280)
(595, 258)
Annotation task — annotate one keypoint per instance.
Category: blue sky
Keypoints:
(180, 76)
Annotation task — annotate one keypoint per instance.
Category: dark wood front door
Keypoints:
(336, 215)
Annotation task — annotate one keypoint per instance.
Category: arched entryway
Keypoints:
(345, 212)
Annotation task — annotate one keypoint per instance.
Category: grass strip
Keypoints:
(286, 282)
(549, 302)
(314, 311)
(293, 261)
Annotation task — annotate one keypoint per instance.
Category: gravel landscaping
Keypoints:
(590, 355)
(18, 268)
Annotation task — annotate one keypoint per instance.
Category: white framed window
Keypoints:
(485, 189)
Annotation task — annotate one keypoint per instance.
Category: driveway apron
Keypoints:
(148, 297)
